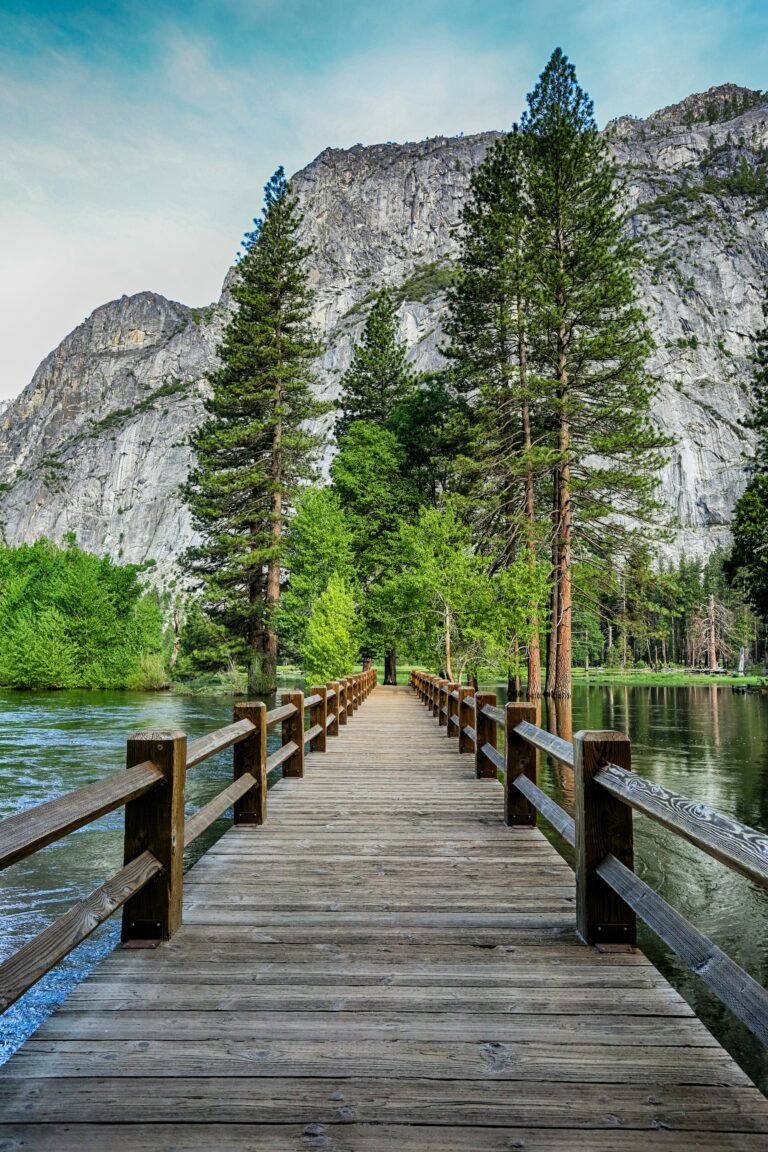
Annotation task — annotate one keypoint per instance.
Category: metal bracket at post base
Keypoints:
(149, 934)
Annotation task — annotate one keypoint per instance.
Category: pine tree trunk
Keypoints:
(712, 638)
(534, 643)
(269, 659)
(554, 599)
(390, 667)
(563, 672)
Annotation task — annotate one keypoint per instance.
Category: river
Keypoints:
(706, 742)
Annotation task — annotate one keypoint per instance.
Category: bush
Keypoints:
(330, 647)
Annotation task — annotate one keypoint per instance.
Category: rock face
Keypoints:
(97, 444)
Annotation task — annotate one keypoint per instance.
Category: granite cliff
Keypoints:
(98, 441)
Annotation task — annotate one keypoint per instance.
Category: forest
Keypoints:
(495, 519)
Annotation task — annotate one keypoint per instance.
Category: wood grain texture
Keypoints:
(34, 959)
(155, 823)
(293, 734)
(26, 832)
(204, 746)
(249, 758)
(603, 827)
(740, 847)
(383, 965)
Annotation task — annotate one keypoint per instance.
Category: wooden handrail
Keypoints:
(283, 712)
(20, 971)
(158, 762)
(609, 894)
(740, 847)
(26, 832)
(205, 746)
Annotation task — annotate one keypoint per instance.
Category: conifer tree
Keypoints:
(256, 446)
(489, 349)
(378, 377)
(588, 339)
(758, 417)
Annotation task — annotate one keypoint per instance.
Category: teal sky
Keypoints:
(136, 137)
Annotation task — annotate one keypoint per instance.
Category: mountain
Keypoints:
(97, 443)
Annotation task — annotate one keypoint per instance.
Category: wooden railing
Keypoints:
(149, 887)
(609, 894)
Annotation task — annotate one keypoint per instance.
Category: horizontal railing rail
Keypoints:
(609, 894)
(149, 886)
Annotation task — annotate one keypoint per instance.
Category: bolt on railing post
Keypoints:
(332, 706)
(603, 825)
(485, 733)
(466, 718)
(155, 822)
(250, 755)
(318, 714)
(452, 708)
(520, 760)
(293, 730)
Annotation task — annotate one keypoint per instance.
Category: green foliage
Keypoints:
(425, 284)
(378, 377)
(445, 606)
(256, 447)
(329, 648)
(319, 546)
(368, 480)
(430, 425)
(70, 619)
(748, 561)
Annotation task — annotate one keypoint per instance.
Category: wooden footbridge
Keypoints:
(396, 959)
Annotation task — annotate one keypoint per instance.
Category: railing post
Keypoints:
(250, 755)
(342, 694)
(351, 704)
(466, 718)
(333, 707)
(453, 708)
(293, 729)
(520, 760)
(155, 823)
(318, 714)
(438, 683)
(485, 731)
(442, 702)
(603, 825)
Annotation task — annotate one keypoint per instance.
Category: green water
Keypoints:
(706, 742)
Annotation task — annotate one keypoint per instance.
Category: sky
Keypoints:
(136, 137)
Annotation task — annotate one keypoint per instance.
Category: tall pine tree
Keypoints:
(256, 447)
(378, 378)
(487, 327)
(588, 339)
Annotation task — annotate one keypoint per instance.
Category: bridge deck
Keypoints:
(384, 965)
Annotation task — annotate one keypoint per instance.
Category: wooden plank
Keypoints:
(204, 746)
(195, 825)
(20, 971)
(283, 712)
(740, 847)
(269, 1058)
(26, 832)
(345, 1136)
(551, 811)
(280, 756)
(731, 984)
(197, 1026)
(249, 1100)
